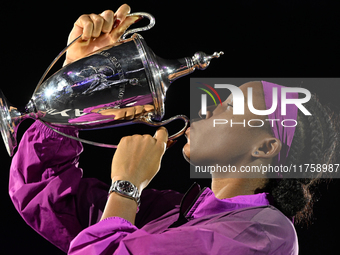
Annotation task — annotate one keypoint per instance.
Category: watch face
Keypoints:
(126, 187)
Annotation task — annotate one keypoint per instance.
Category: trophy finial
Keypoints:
(171, 70)
(201, 60)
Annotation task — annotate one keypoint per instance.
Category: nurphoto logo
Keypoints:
(238, 104)
(238, 99)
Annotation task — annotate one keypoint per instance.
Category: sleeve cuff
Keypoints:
(50, 133)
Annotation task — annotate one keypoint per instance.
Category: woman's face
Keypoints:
(225, 143)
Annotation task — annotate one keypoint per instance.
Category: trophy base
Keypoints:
(7, 126)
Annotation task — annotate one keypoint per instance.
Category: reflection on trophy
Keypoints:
(126, 76)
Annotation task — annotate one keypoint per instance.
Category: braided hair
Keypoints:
(316, 141)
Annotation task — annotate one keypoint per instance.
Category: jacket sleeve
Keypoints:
(119, 237)
(47, 188)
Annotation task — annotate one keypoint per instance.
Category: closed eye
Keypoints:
(230, 105)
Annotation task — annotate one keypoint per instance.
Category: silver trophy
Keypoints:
(125, 74)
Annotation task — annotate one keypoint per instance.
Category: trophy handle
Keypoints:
(138, 29)
(144, 119)
(130, 31)
(148, 121)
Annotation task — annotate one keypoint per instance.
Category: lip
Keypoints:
(187, 131)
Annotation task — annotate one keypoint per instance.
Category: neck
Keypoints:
(227, 185)
(231, 187)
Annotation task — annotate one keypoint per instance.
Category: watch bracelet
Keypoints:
(137, 200)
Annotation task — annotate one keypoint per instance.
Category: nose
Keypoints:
(210, 110)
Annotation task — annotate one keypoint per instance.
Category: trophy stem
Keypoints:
(9, 121)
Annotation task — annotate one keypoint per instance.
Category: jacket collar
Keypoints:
(197, 203)
(207, 204)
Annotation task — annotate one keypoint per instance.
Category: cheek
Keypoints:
(208, 143)
(202, 141)
(220, 142)
(229, 142)
(225, 140)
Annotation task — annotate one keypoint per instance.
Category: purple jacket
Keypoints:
(47, 189)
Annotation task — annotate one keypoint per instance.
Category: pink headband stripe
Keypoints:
(284, 134)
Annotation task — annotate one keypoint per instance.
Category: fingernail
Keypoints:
(170, 143)
(116, 24)
(139, 18)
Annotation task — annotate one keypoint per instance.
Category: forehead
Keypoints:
(258, 95)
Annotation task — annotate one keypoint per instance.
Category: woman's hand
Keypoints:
(138, 157)
(98, 31)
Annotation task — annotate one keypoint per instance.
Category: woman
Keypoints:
(237, 216)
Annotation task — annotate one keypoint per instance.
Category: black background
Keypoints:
(260, 39)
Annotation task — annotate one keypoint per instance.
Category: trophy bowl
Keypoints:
(124, 75)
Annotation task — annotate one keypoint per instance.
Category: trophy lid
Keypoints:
(162, 72)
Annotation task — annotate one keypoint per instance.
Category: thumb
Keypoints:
(161, 135)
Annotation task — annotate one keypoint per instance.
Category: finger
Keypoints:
(84, 26)
(111, 112)
(130, 113)
(120, 14)
(119, 114)
(118, 31)
(139, 110)
(108, 21)
(98, 22)
(148, 108)
(161, 135)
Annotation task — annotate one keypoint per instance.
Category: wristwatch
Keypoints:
(126, 189)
